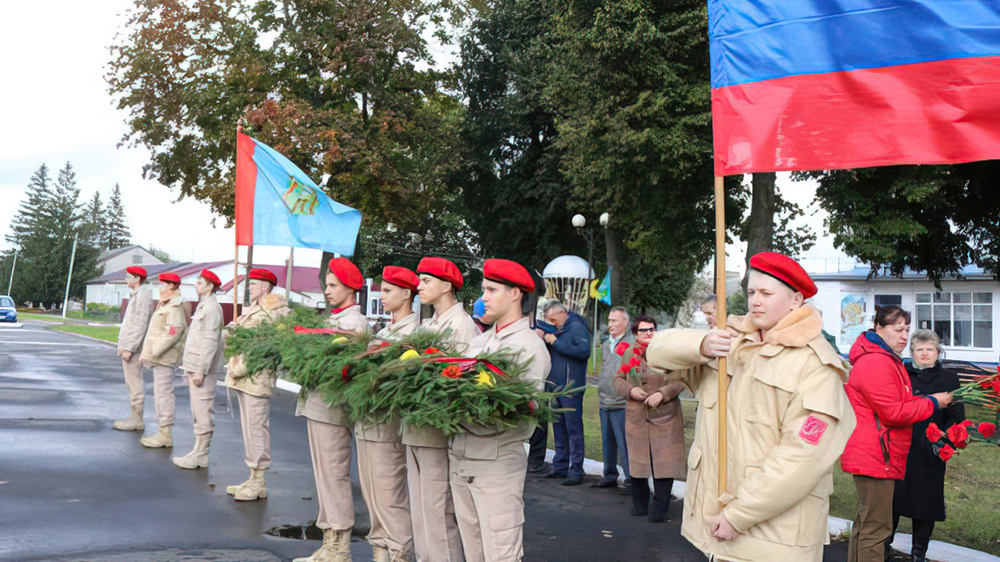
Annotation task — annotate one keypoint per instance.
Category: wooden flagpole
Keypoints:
(720, 323)
(236, 275)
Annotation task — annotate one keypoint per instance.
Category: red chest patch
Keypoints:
(812, 430)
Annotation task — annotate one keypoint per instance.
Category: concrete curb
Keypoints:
(939, 551)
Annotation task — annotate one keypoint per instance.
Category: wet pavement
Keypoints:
(74, 489)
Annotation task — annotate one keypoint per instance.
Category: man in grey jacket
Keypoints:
(138, 311)
(612, 405)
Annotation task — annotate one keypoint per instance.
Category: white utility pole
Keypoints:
(69, 277)
(12, 268)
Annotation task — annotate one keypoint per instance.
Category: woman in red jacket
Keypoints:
(879, 390)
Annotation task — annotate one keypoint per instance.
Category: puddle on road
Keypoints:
(301, 532)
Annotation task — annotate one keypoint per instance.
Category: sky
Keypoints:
(57, 109)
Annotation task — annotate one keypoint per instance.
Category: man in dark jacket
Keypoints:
(569, 348)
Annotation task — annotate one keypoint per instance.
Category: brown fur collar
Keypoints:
(272, 301)
(796, 329)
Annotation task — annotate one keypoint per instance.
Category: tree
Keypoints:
(43, 232)
(346, 90)
(766, 228)
(117, 234)
(936, 219)
(94, 223)
(517, 199)
(160, 254)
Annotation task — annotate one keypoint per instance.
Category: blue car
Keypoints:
(8, 312)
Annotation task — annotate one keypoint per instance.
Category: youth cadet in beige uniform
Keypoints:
(161, 350)
(435, 530)
(788, 415)
(488, 466)
(138, 311)
(203, 362)
(330, 430)
(254, 390)
(381, 455)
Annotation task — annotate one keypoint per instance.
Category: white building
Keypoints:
(116, 260)
(962, 313)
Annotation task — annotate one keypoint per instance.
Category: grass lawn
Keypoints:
(106, 333)
(972, 493)
(36, 316)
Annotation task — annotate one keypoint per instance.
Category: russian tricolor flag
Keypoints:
(827, 84)
(278, 205)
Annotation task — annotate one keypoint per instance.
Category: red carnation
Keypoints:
(346, 373)
(531, 406)
(946, 453)
(451, 372)
(959, 436)
(635, 361)
(966, 423)
(431, 351)
(985, 384)
(934, 433)
(987, 429)
(996, 387)
(621, 348)
(626, 367)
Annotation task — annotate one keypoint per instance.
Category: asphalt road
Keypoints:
(74, 489)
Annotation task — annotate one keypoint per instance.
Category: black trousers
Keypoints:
(922, 531)
(661, 496)
(536, 446)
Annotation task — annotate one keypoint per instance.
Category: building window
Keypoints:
(136, 259)
(886, 300)
(959, 319)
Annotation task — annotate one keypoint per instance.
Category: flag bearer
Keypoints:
(254, 390)
(381, 454)
(161, 350)
(488, 467)
(435, 530)
(138, 311)
(788, 417)
(203, 362)
(330, 430)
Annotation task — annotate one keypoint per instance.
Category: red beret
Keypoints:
(264, 275)
(786, 270)
(211, 278)
(401, 277)
(137, 271)
(509, 273)
(170, 278)
(348, 273)
(442, 269)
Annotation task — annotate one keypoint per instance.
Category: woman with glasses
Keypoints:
(654, 426)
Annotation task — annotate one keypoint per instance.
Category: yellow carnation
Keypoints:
(485, 379)
(409, 354)
(340, 340)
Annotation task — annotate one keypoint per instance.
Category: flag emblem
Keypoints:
(300, 199)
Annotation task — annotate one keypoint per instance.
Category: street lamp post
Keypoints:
(580, 223)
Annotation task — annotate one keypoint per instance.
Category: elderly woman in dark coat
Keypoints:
(654, 426)
(920, 494)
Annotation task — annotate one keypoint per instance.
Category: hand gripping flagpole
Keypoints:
(720, 323)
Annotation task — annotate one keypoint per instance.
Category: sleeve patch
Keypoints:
(172, 331)
(812, 430)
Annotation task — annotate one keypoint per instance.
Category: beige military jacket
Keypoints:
(463, 330)
(269, 308)
(482, 450)
(138, 311)
(311, 404)
(164, 341)
(203, 349)
(463, 327)
(789, 420)
(387, 432)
